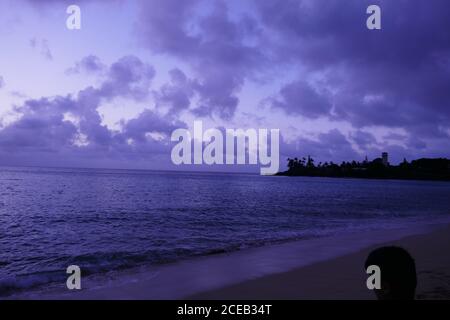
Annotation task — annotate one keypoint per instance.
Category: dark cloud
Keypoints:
(40, 127)
(335, 146)
(363, 139)
(90, 64)
(328, 146)
(128, 77)
(395, 136)
(395, 77)
(301, 98)
(70, 126)
(214, 45)
(177, 94)
(149, 122)
(416, 143)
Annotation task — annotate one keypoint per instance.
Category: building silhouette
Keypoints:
(385, 158)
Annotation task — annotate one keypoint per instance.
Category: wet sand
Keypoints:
(343, 277)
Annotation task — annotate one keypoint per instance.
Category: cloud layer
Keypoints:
(72, 126)
(366, 91)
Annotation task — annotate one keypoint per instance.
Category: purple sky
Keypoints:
(110, 95)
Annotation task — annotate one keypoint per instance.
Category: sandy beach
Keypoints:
(343, 277)
(324, 268)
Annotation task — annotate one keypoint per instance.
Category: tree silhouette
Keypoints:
(431, 169)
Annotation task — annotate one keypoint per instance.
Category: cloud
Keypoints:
(215, 46)
(177, 94)
(90, 64)
(128, 77)
(334, 146)
(327, 146)
(2, 82)
(378, 78)
(71, 126)
(342, 71)
(301, 98)
(363, 139)
(149, 122)
(41, 45)
(39, 127)
(367, 78)
(317, 58)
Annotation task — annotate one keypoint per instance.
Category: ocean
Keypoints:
(106, 220)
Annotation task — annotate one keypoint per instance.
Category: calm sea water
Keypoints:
(106, 220)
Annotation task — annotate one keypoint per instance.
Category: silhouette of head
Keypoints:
(398, 273)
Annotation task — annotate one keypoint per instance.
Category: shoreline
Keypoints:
(285, 174)
(321, 280)
(254, 273)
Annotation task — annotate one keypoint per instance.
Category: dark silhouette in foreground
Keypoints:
(398, 273)
(421, 169)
